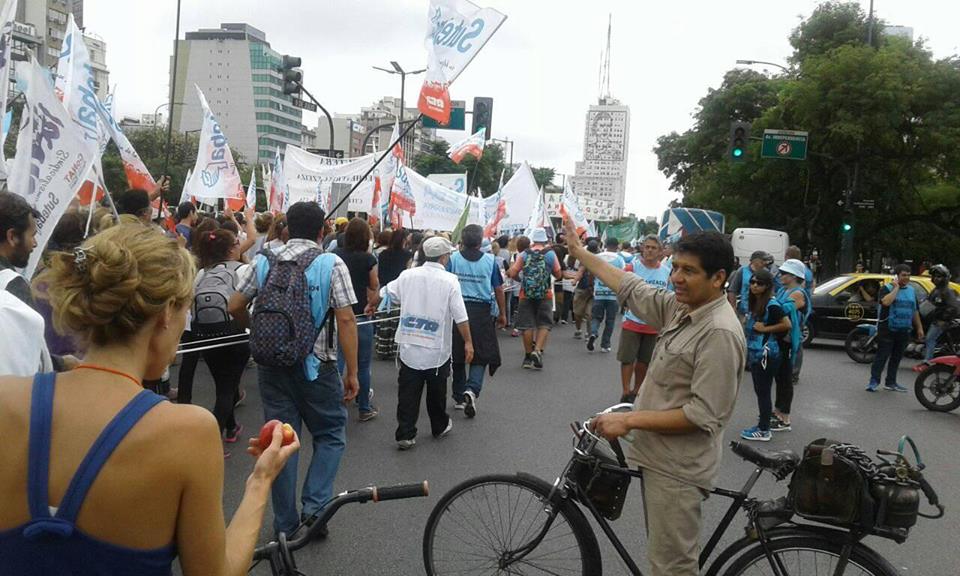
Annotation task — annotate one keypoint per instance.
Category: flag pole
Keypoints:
(377, 163)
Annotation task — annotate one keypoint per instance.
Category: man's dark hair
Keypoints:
(472, 236)
(396, 241)
(711, 248)
(184, 210)
(305, 220)
(902, 268)
(503, 241)
(612, 243)
(68, 233)
(15, 214)
(523, 243)
(133, 202)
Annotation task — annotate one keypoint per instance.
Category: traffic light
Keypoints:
(739, 134)
(482, 115)
(846, 227)
(291, 77)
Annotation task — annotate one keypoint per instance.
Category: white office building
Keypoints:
(602, 174)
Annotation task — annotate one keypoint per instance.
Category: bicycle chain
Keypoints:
(870, 468)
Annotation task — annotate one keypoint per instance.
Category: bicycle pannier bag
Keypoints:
(828, 487)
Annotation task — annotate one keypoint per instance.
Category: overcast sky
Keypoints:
(541, 67)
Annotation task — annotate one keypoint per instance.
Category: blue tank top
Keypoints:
(659, 277)
(476, 282)
(53, 545)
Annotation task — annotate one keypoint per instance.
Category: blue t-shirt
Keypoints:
(600, 290)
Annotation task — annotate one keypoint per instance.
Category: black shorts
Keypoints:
(535, 314)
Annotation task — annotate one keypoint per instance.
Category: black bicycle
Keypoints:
(279, 554)
(520, 524)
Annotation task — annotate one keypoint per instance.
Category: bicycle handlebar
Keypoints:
(315, 524)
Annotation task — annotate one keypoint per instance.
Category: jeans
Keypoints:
(226, 365)
(288, 396)
(364, 357)
(762, 386)
(601, 308)
(889, 346)
(933, 334)
(464, 380)
(784, 379)
(411, 383)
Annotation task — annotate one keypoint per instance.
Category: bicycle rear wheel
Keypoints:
(810, 556)
(475, 526)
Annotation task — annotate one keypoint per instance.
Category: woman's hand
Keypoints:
(272, 460)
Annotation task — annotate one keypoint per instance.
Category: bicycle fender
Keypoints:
(733, 550)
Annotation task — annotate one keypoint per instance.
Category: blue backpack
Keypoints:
(282, 328)
(536, 278)
(761, 348)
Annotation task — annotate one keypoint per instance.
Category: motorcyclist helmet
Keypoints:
(940, 274)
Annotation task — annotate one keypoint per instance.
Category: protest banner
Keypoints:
(252, 190)
(215, 174)
(492, 218)
(277, 185)
(570, 208)
(456, 31)
(53, 156)
(315, 178)
(383, 176)
(454, 181)
(7, 15)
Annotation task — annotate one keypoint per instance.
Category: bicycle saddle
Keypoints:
(781, 462)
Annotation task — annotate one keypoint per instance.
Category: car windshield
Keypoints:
(830, 284)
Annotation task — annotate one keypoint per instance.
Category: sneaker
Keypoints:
(458, 404)
(515, 333)
(895, 388)
(757, 434)
(605, 349)
(578, 334)
(872, 386)
(470, 401)
(241, 398)
(232, 436)
(537, 357)
(590, 342)
(527, 361)
(563, 321)
(446, 430)
(778, 425)
(406, 444)
(628, 398)
(369, 415)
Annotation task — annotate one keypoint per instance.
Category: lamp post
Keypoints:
(752, 62)
(506, 141)
(156, 111)
(397, 69)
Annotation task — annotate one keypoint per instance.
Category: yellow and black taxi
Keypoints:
(839, 304)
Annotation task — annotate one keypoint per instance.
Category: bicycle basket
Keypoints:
(830, 488)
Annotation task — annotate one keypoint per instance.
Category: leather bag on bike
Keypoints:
(830, 488)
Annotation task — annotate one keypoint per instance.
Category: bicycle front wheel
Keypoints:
(478, 527)
(810, 555)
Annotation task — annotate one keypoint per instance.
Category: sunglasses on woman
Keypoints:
(755, 282)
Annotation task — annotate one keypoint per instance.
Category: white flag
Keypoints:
(7, 15)
(538, 215)
(570, 208)
(277, 186)
(215, 174)
(185, 193)
(252, 190)
(472, 145)
(53, 156)
(457, 30)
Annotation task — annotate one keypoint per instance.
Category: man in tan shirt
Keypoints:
(687, 397)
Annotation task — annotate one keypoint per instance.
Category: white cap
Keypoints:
(437, 246)
(795, 268)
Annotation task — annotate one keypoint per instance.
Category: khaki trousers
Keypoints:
(672, 515)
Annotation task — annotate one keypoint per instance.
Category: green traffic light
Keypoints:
(847, 227)
(737, 152)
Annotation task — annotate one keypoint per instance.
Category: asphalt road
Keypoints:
(523, 425)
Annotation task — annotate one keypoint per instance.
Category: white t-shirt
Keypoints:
(24, 351)
(430, 304)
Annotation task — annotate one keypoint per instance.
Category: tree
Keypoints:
(884, 124)
(544, 176)
(483, 175)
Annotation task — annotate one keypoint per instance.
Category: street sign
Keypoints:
(458, 117)
(303, 104)
(865, 204)
(784, 144)
(337, 153)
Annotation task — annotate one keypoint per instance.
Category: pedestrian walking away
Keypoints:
(606, 309)
(536, 267)
(678, 420)
(299, 290)
(431, 303)
(899, 312)
(481, 285)
(583, 294)
(637, 338)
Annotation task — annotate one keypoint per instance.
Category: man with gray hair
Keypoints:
(431, 303)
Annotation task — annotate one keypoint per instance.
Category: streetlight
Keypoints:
(157, 111)
(506, 141)
(403, 79)
(752, 62)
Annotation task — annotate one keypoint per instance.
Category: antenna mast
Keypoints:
(605, 89)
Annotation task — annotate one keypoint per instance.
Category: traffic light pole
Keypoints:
(377, 163)
(327, 114)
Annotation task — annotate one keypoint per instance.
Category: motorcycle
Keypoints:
(938, 385)
(861, 343)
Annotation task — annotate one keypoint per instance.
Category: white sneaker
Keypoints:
(577, 334)
(458, 405)
(406, 444)
(447, 429)
(470, 410)
(602, 349)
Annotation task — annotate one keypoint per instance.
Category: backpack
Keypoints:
(282, 328)
(761, 348)
(212, 293)
(536, 279)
